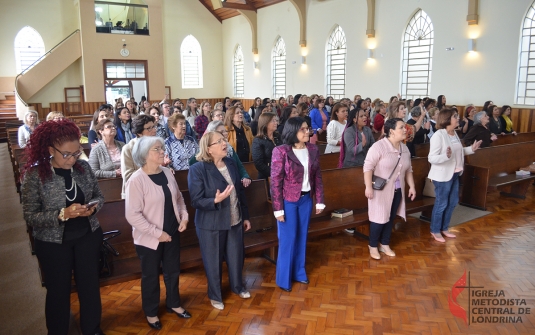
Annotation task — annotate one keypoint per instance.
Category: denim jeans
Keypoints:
(447, 197)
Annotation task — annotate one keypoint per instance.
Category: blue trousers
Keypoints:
(293, 241)
(447, 197)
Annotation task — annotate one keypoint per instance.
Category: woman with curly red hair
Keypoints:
(60, 196)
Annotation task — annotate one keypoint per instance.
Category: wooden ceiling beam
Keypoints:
(232, 5)
(211, 11)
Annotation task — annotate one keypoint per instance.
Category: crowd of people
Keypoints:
(145, 143)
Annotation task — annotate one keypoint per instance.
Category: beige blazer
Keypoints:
(442, 167)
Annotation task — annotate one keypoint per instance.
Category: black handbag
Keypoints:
(379, 183)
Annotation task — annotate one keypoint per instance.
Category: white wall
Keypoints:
(490, 73)
(180, 19)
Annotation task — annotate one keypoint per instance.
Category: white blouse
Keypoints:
(335, 130)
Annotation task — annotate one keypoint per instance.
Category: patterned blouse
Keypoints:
(180, 151)
(160, 131)
(235, 216)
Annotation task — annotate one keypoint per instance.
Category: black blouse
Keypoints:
(79, 226)
(242, 145)
(170, 223)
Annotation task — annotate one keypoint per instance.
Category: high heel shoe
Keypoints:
(386, 250)
(183, 315)
(438, 237)
(374, 253)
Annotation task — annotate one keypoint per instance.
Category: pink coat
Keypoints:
(144, 210)
(381, 159)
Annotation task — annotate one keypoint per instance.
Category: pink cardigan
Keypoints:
(381, 159)
(145, 207)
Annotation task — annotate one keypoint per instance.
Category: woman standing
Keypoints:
(56, 191)
(179, 147)
(98, 116)
(421, 128)
(480, 131)
(287, 113)
(505, 115)
(123, 122)
(356, 140)
(202, 121)
(389, 159)
(219, 127)
(497, 123)
(254, 108)
(31, 120)
(161, 130)
(468, 120)
(105, 157)
(264, 143)
(319, 117)
(295, 174)
(143, 125)
(240, 136)
(441, 102)
(379, 119)
(446, 155)
(336, 128)
(131, 108)
(191, 112)
(398, 110)
(156, 211)
(221, 215)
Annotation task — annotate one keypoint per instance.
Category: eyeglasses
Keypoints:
(150, 128)
(221, 140)
(304, 129)
(110, 126)
(67, 156)
(158, 149)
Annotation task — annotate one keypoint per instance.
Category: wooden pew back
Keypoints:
(504, 159)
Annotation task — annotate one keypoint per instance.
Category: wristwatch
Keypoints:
(61, 215)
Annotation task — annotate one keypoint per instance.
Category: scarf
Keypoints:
(508, 123)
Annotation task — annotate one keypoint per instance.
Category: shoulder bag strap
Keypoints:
(400, 152)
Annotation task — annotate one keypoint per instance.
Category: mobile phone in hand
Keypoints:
(92, 204)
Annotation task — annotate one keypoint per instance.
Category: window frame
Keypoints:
(336, 46)
(195, 46)
(278, 64)
(418, 40)
(525, 78)
(24, 35)
(237, 68)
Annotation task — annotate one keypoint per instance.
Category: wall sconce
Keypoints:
(370, 53)
(255, 65)
(303, 60)
(471, 45)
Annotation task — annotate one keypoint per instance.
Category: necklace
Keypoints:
(73, 186)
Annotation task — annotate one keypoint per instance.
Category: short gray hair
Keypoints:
(416, 111)
(31, 111)
(478, 117)
(212, 126)
(142, 147)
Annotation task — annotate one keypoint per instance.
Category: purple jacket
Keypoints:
(287, 175)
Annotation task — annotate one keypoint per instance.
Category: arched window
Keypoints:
(29, 46)
(191, 62)
(279, 69)
(525, 92)
(336, 63)
(238, 72)
(417, 57)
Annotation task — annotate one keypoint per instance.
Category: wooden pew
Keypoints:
(111, 188)
(493, 168)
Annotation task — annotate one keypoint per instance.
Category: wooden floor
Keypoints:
(351, 294)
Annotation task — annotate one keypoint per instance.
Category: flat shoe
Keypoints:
(306, 282)
(374, 253)
(183, 315)
(448, 234)
(438, 238)
(156, 325)
(245, 295)
(217, 304)
(286, 289)
(386, 250)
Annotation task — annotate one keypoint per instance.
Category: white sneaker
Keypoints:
(217, 304)
(350, 230)
(245, 295)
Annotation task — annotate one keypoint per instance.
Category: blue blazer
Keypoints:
(315, 117)
(204, 179)
(120, 136)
